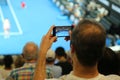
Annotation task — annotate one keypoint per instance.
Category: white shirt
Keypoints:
(99, 77)
(6, 24)
(56, 70)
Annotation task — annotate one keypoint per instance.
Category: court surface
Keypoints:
(29, 24)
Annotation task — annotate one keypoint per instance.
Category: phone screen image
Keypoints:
(61, 31)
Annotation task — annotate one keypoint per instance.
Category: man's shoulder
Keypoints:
(15, 70)
(113, 77)
(100, 77)
(22, 72)
(57, 67)
(22, 69)
(64, 77)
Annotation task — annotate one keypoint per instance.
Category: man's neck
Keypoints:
(62, 59)
(85, 72)
(6, 68)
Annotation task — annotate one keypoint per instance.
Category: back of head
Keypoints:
(8, 61)
(60, 52)
(30, 51)
(88, 40)
(50, 57)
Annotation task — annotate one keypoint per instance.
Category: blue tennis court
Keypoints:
(29, 24)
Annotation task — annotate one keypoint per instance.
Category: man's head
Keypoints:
(8, 61)
(30, 51)
(88, 41)
(60, 52)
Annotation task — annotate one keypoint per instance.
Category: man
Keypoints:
(30, 53)
(6, 28)
(87, 45)
(25, 72)
(8, 61)
(61, 56)
(56, 71)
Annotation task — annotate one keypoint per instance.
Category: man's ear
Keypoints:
(22, 55)
(72, 49)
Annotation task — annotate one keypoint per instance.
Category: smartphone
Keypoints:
(61, 31)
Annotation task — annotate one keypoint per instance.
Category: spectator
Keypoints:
(30, 51)
(68, 9)
(87, 45)
(78, 11)
(50, 58)
(91, 6)
(25, 72)
(102, 11)
(19, 62)
(108, 64)
(62, 60)
(118, 55)
(1, 62)
(8, 61)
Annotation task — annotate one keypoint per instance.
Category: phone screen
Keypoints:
(61, 31)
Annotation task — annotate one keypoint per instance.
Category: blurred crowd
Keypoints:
(77, 10)
(58, 63)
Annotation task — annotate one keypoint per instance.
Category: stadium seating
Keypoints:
(110, 21)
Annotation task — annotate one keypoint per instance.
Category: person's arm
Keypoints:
(47, 40)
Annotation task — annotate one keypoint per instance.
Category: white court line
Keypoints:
(11, 33)
(15, 17)
(2, 18)
(1, 15)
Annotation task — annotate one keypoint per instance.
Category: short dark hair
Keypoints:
(88, 40)
(8, 61)
(60, 51)
(109, 63)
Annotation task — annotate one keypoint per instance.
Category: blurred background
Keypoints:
(30, 19)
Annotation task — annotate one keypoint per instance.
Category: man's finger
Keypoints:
(50, 30)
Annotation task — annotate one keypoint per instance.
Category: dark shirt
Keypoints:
(66, 67)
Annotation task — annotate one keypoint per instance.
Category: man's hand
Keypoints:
(47, 40)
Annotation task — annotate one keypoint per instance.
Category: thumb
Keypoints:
(53, 39)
